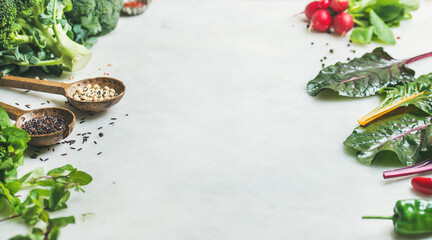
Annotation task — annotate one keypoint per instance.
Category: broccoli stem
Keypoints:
(57, 61)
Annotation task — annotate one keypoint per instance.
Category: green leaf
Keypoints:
(31, 215)
(58, 197)
(363, 76)
(80, 177)
(54, 234)
(417, 93)
(400, 133)
(381, 30)
(362, 34)
(4, 119)
(410, 5)
(56, 172)
(61, 222)
(16, 136)
(388, 10)
(13, 186)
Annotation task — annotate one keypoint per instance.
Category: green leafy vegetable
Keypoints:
(98, 16)
(402, 133)
(363, 76)
(47, 193)
(417, 93)
(381, 30)
(378, 15)
(362, 34)
(35, 33)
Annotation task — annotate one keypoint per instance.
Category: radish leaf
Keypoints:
(363, 76)
(402, 133)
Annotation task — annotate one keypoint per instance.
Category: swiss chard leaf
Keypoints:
(362, 76)
(417, 93)
(402, 133)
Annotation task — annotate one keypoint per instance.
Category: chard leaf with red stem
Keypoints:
(403, 133)
(364, 76)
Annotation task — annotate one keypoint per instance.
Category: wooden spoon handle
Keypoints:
(12, 111)
(34, 84)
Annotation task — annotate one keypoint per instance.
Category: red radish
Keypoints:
(339, 5)
(321, 20)
(342, 23)
(311, 8)
(324, 4)
(422, 184)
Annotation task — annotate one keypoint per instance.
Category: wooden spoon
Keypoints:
(68, 89)
(21, 116)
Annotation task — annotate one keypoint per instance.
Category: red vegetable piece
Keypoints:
(339, 5)
(422, 184)
(311, 8)
(321, 20)
(342, 23)
(324, 4)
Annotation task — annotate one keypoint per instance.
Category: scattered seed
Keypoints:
(99, 153)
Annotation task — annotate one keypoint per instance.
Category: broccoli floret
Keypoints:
(81, 8)
(107, 13)
(37, 34)
(8, 12)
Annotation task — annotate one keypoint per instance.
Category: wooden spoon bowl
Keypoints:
(21, 117)
(98, 106)
(68, 90)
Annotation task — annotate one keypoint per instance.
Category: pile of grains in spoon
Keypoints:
(94, 93)
(45, 125)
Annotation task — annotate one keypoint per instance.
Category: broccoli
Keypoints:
(107, 13)
(35, 33)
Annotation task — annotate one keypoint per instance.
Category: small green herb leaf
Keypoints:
(56, 172)
(80, 177)
(4, 119)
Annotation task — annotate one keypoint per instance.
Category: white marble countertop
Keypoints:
(216, 137)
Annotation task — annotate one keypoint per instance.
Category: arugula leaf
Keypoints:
(363, 76)
(381, 30)
(401, 133)
(417, 93)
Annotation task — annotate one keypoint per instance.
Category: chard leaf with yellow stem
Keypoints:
(417, 93)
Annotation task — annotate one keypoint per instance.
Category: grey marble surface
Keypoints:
(216, 137)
